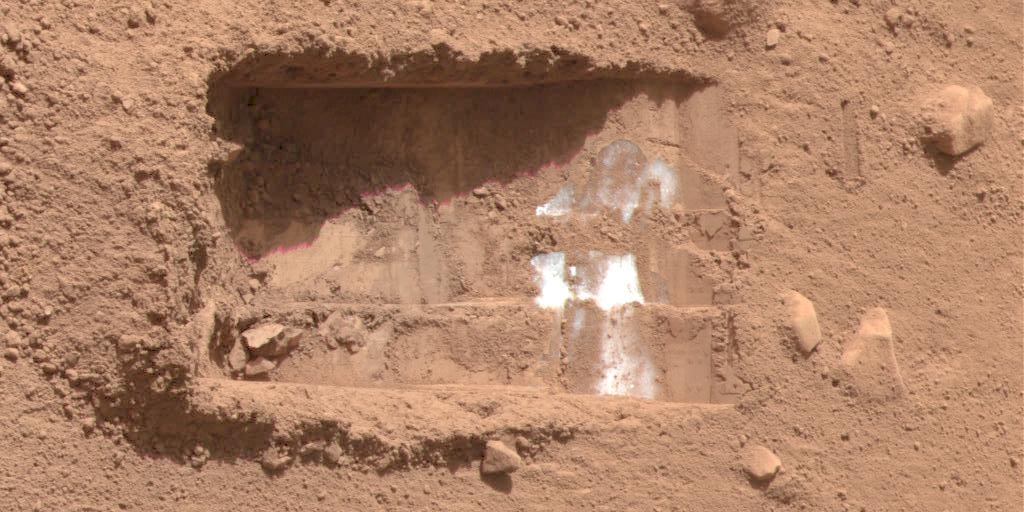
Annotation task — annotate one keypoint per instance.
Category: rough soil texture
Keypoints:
(607, 255)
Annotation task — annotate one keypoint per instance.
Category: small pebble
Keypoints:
(771, 38)
(11, 354)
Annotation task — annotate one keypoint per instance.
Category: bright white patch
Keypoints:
(560, 204)
(550, 276)
(659, 172)
(611, 281)
(627, 371)
(615, 284)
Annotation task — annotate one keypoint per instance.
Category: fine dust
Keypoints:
(473, 255)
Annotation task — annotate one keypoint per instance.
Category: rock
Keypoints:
(345, 330)
(499, 458)
(803, 320)
(261, 335)
(237, 357)
(957, 119)
(892, 17)
(12, 32)
(13, 339)
(274, 462)
(333, 453)
(716, 18)
(272, 340)
(19, 88)
(771, 38)
(281, 344)
(869, 360)
(259, 366)
(761, 464)
(11, 354)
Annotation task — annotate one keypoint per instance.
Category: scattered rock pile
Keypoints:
(259, 349)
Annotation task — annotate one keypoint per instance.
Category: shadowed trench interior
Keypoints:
(407, 215)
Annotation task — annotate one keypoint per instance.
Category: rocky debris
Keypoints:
(761, 464)
(957, 119)
(199, 456)
(272, 461)
(258, 336)
(237, 357)
(716, 18)
(892, 17)
(499, 458)
(19, 88)
(333, 454)
(803, 320)
(13, 339)
(869, 360)
(896, 17)
(771, 38)
(272, 340)
(281, 344)
(344, 330)
(259, 366)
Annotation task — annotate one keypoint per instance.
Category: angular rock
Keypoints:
(274, 462)
(869, 360)
(803, 320)
(261, 335)
(281, 344)
(957, 119)
(761, 464)
(771, 38)
(499, 458)
(259, 366)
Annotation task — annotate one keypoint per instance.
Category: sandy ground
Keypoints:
(427, 255)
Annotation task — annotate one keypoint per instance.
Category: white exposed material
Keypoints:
(659, 172)
(627, 371)
(612, 282)
(550, 277)
(615, 284)
(560, 204)
(622, 181)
